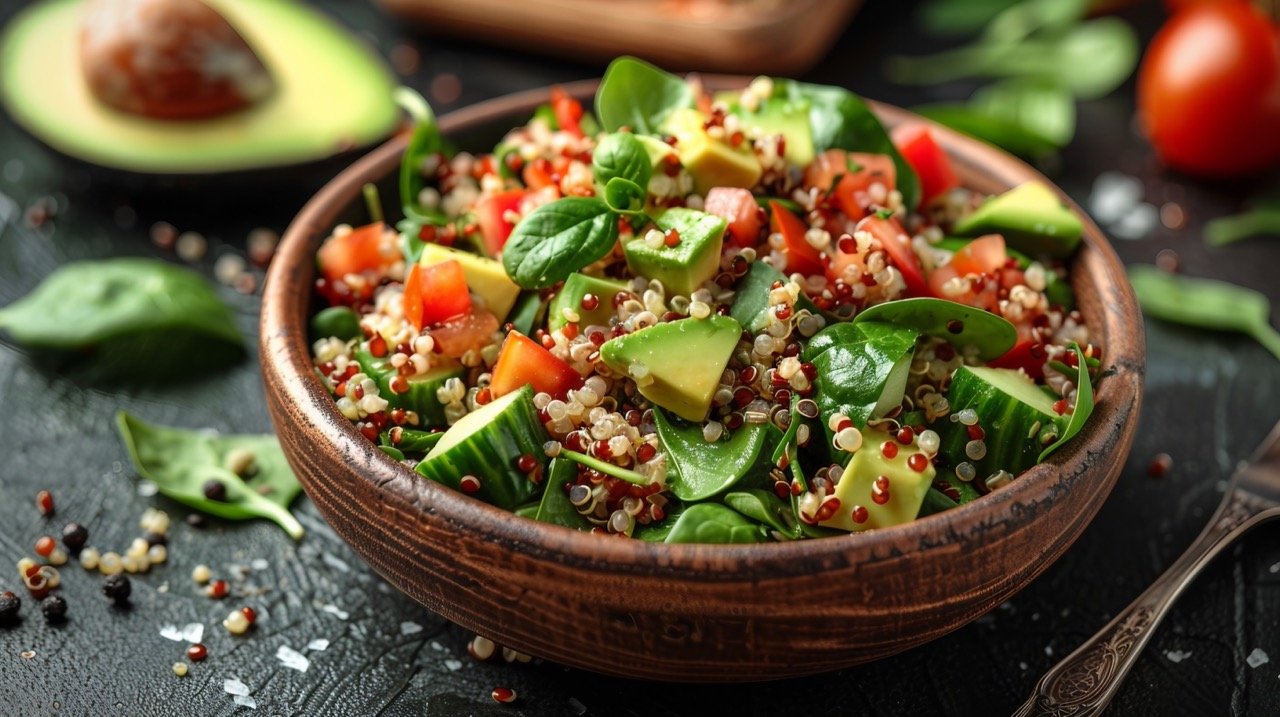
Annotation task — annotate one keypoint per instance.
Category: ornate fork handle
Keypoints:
(1084, 682)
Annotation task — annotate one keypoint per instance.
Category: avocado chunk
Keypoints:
(657, 150)
(332, 93)
(485, 277)
(778, 115)
(857, 486)
(712, 162)
(751, 297)
(676, 365)
(570, 297)
(693, 260)
(1031, 218)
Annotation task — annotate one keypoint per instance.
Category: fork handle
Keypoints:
(1086, 680)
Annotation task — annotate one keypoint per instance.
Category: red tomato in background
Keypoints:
(1209, 90)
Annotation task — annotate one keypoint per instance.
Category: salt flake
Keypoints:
(410, 628)
(336, 611)
(259, 564)
(171, 632)
(1257, 658)
(335, 562)
(1274, 569)
(319, 645)
(146, 488)
(292, 659)
(453, 665)
(245, 701)
(1176, 656)
(193, 632)
(232, 686)
(1113, 195)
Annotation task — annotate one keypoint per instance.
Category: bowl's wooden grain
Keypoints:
(692, 612)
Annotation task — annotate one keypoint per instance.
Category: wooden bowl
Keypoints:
(689, 613)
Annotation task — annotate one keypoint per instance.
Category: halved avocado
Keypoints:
(332, 94)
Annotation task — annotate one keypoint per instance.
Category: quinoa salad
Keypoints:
(688, 316)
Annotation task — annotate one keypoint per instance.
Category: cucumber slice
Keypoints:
(1015, 414)
(421, 396)
(485, 444)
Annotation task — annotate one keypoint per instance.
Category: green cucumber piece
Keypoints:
(1015, 414)
(486, 444)
(421, 396)
(555, 506)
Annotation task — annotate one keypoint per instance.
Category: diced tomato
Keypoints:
(468, 332)
(801, 255)
(522, 361)
(738, 207)
(848, 176)
(916, 144)
(984, 255)
(1027, 355)
(491, 213)
(435, 294)
(568, 111)
(896, 243)
(363, 249)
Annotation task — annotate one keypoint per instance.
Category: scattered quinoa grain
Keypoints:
(504, 695)
(180, 669)
(54, 608)
(197, 652)
(1160, 465)
(236, 623)
(89, 558)
(44, 546)
(218, 589)
(215, 490)
(117, 588)
(74, 536)
(201, 574)
(110, 564)
(44, 503)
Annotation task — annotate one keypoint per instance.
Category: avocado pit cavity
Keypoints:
(168, 59)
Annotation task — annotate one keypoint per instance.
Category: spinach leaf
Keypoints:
(87, 303)
(658, 532)
(559, 238)
(764, 507)
(715, 523)
(1044, 108)
(395, 453)
(935, 501)
(797, 472)
(751, 296)
(337, 321)
(638, 95)
(862, 368)
(181, 461)
(1083, 409)
(620, 154)
(527, 312)
(625, 197)
(528, 510)
(999, 131)
(960, 324)
(424, 142)
(840, 119)
(1205, 303)
(1262, 220)
(1090, 59)
(702, 469)
(555, 506)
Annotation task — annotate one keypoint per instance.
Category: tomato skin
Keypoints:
(932, 166)
(738, 207)
(568, 111)
(1209, 90)
(984, 255)
(848, 193)
(359, 251)
(1027, 355)
(435, 294)
(801, 255)
(888, 231)
(522, 361)
(491, 215)
(472, 331)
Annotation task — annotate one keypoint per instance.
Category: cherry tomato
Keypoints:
(1209, 90)
(568, 111)
(522, 361)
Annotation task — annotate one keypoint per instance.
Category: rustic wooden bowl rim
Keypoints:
(286, 358)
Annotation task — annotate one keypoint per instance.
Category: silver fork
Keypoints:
(1084, 682)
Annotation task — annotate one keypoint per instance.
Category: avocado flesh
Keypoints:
(332, 95)
(570, 297)
(711, 162)
(907, 487)
(1031, 218)
(680, 361)
(778, 115)
(694, 259)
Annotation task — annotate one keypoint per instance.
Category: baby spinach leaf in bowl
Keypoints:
(181, 462)
(638, 95)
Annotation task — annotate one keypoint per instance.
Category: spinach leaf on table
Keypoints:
(1261, 220)
(181, 461)
(703, 469)
(1083, 408)
(1205, 303)
(960, 324)
(715, 523)
(840, 119)
(559, 238)
(635, 94)
(86, 303)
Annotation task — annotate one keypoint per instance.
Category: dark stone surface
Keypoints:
(1210, 398)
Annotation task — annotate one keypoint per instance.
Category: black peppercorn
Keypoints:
(54, 608)
(9, 606)
(117, 587)
(215, 490)
(74, 537)
(153, 538)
